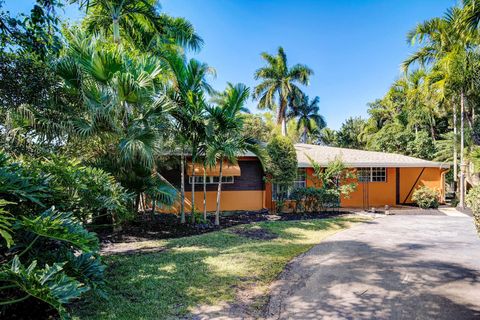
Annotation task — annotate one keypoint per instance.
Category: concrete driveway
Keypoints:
(396, 267)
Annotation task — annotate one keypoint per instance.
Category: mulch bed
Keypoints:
(167, 226)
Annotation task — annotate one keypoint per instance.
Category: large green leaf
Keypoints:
(49, 284)
(63, 227)
(6, 223)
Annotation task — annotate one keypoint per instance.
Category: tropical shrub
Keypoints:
(313, 199)
(91, 194)
(426, 198)
(46, 254)
(473, 201)
(281, 163)
(335, 178)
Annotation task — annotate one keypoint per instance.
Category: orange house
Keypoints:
(383, 179)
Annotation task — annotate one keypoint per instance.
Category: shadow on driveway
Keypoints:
(417, 267)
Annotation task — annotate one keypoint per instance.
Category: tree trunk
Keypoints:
(204, 193)
(193, 191)
(154, 202)
(137, 203)
(281, 116)
(305, 134)
(116, 30)
(462, 143)
(455, 152)
(182, 188)
(219, 193)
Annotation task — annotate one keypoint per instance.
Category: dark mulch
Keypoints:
(167, 226)
(30, 309)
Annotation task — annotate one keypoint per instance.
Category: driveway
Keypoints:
(395, 267)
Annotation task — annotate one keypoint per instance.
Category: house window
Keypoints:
(379, 175)
(211, 179)
(301, 180)
(283, 192)
(372, 174)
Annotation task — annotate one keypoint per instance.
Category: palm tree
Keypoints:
(281, 82)
(189, 84)
(139, 21)
(327, 137)
(445, 45)
(226, 142)
(124, 110)
(306, 112)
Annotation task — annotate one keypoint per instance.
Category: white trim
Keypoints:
(210, 180)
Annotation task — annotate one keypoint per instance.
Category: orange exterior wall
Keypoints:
(385, 193)
(433, 178)
(379, 193)
(230, 201)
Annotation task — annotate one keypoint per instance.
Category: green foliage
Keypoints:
(87, 192)
(62, 227)
(279, 81)
(35, 32)
(61, 256)
(335, 177)
(6, 223)
(331, 183)
(392, 138)
(49, 284)
(426, 198)
(35, 109)
(17, 185)
(255, 126)
(282, 163)
(350, 134)
(473, 201)
(313, 199)
(49, 256)
(422, 146)
(306, 113)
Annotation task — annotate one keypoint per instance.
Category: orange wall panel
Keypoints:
(430, 177)
(230, 201)
(379, 193)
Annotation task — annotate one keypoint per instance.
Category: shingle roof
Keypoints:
(358, 158)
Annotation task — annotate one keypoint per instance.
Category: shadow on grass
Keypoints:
(202, 269)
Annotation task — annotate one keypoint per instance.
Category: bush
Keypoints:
(46, 254)
(314, 199)
(473, 201)
(426, 198)
(281, 164)
(91, 194)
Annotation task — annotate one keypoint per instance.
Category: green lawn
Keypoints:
(203, 269)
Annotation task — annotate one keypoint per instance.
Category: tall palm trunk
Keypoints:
(219, 193)
(116, 29)
(182, 187)
(462, 143)
(281, 116)
(193, 190)
(204, 193)
(305, 134)
(455, 151)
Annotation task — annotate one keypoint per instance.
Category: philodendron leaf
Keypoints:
(6, 223)
(49, 284)
(63, 227)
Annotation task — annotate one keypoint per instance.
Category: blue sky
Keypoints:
(354, 47)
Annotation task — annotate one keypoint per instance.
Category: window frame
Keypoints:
(373, 174)
(297, 183)
(211, 180)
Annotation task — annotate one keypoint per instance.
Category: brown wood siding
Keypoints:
(251, 178)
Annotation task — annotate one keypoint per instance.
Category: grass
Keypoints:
(204, 269)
